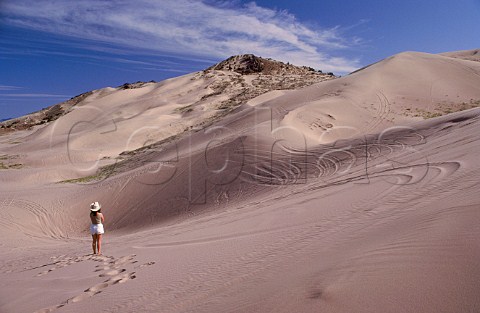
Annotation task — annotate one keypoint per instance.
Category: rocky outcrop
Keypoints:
(243, 64)
(136, 85)
(247, 64)
(244, 77)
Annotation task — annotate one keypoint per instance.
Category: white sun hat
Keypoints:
(95, 206)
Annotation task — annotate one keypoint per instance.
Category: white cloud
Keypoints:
(187, 27)
(32, 95)
(8, 88)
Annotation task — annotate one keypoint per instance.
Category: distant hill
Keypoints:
(229, 84)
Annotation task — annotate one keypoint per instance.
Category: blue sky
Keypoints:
(52, 50)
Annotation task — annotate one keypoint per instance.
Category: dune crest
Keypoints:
(470, 55)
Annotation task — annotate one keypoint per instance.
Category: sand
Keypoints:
(470, 55)
(345, 196)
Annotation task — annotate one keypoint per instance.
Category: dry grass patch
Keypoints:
(442, 109)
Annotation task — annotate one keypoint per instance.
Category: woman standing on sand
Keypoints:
(96, 229)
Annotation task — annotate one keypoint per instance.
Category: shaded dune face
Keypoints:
(234, 172)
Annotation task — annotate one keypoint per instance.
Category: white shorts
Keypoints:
(96, 229)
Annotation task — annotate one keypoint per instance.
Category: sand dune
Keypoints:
(391, 92)
(470, 55)
(357, 194)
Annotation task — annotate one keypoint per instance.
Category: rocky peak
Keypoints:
(246, 64)
(242, 64)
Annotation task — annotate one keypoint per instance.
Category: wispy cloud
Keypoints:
(8, 92)
(189, 28)
(9, 88)
(32, 95)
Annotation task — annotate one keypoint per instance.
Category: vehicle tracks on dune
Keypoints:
(319, 165)
(382, 112)
(291, 242)
(43, 217)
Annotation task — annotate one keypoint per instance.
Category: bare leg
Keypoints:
(99, 243)
(94, 243)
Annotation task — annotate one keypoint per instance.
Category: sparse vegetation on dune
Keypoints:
(442, 109)
(101, 174)
(9, 164)
(138, 84)
(4, 166)
(43, 116)
(241, 78)
(127, 160)
(184, 109)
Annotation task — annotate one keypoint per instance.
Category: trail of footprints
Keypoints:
(111, 269)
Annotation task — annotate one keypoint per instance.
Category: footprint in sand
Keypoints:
(112, 272)
(97, 288)
(50, 309)
(60, 262)
(110, 267)
(123, 278)
(81, 297)
(146, 264)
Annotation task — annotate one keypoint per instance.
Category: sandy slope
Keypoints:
(384, 94)
(251, 214)
(471, 55)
